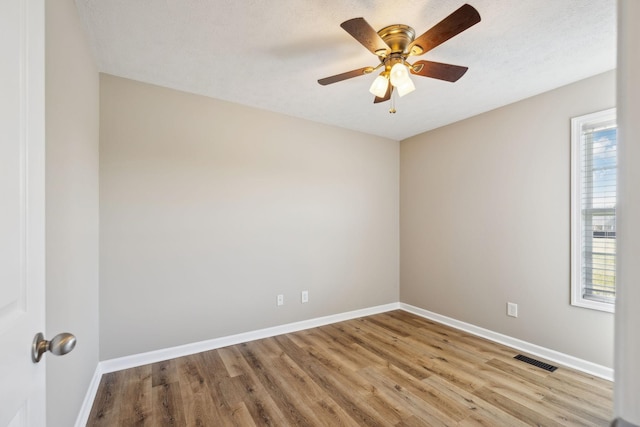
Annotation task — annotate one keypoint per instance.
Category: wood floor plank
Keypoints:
(198, 409)
(516, 409)
(549, 388)
(382, 349)
(222, 391)
(414, 421)
(389, 369)
(341, 343)
(479, 412)
(431, 331)
(231, 361)
(575, 414)
(163, 373)
(241, 415)
(137, 393)
(427, 406)
(496, 377)
(197, 398)
(107, 404)
(342, 351)
(167, 405)
(246, 388)
(344, 395)
(334, 415)
(293, 408)
(324, 410)
(260, 405)
(592, 388)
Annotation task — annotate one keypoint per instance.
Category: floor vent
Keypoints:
(537, 363)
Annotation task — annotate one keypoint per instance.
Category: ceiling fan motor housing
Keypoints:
(398, 37)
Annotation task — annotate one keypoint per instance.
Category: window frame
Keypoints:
(577, 123)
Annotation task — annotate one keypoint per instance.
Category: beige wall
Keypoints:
(627, 378)
(485, 220)
(208, 210)
(72, 91)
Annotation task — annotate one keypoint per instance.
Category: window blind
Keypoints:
(598, 210)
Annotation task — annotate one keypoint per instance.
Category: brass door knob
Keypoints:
(60, 345)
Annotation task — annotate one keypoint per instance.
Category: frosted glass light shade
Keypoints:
(406, 87)
(379, 86)
(399, 74)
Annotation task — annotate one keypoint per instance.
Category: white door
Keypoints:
(22, 382)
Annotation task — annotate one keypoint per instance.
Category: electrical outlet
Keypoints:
(512, 309)
(280, 300)
(304, 296)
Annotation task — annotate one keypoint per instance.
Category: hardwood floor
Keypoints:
(390, 369)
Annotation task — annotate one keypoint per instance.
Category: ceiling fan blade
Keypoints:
(366, 35)
(438, 70)
(345, 76)
(386, 97)
(463, 18)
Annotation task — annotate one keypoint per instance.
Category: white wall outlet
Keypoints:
(304, 296)
(512, 309)
(280, 299)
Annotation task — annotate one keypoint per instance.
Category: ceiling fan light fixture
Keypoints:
(379, 86)
(406, 87)
(399, 74)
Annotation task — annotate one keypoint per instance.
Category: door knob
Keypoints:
(60, 345)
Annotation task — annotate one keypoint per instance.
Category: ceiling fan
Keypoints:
(395, 43)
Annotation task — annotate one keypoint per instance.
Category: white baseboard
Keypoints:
(85, 409)
(135, 360)
(532, 349)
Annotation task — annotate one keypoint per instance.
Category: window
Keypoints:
(593, 210)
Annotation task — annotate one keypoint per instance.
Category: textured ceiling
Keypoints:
(270, 54)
